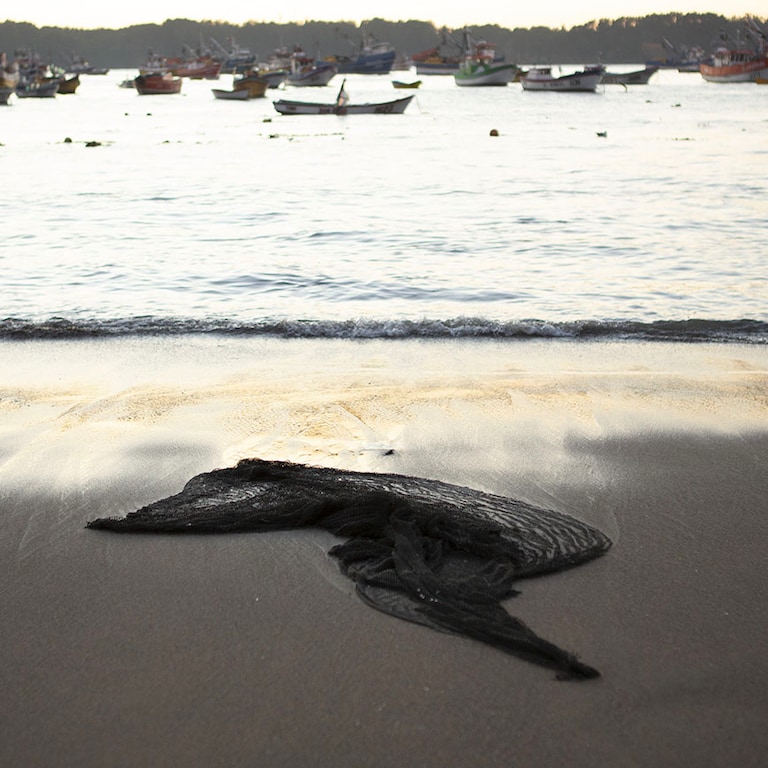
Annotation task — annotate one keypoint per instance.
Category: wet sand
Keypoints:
(244, 650)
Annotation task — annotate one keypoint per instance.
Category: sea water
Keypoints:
(630, 211)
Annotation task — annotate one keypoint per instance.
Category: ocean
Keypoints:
(572, 314)
(634, 212)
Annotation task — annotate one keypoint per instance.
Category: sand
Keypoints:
(250, 650)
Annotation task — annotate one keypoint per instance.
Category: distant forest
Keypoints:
(623, 40)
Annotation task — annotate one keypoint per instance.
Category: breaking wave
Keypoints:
(693, 330)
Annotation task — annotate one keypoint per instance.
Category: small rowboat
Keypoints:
(396, 107)
(69, 84)
(341, 106)
(254, 85)
(241, 94)
(157, 83)
(639, 77)
(401, 84)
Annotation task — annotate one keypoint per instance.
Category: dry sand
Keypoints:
(251, 650)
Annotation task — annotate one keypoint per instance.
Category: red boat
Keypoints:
(157, 83)
(203, 68)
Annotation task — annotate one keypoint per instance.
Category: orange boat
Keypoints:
(740, 65)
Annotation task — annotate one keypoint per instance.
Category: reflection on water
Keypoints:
(190, 208)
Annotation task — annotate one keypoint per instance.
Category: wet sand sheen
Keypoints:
(243, 650)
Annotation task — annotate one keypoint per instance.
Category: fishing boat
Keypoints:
(342, 106)
(273, 77)
(155, 64)
(234, 95)
(157, 83)
(682, 58)
(38, 89)
(307, 72)
(80, 66)
(444, 59)
(252, 83)
(542, 79)
(740, 65)
(401, 84)
(370, 58)
(480, 65)
(199, 68)
(638, 77)
(236, 60)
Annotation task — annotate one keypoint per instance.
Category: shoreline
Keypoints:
(250, 649)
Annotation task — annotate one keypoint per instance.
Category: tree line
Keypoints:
(623, 40)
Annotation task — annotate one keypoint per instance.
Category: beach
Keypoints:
(251, 649)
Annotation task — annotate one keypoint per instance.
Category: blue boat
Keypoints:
(371, 58)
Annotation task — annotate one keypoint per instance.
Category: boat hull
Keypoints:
(577, 82)
(368, 64)
(274, 77)
(70, 84)
(486, 74)
(44, 90)
(639, 77)
(254, 85)
(447, 67)
(319, 75)
(157, 85)
(286, 107)
(238, 95)
(198, 70)
(744, 72)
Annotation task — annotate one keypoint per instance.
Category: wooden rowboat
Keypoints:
(639, 77)
(252, 84)
(401, 84)
(241, 94)
(341, 106)
(157, 83)
(396, 107)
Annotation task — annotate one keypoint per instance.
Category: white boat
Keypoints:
(480, 66)
(241, 94)
(542, 79)
(312, 74)
(341, 106)
(638, 77)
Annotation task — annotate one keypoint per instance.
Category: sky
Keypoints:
(555, 13)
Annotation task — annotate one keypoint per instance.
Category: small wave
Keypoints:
(694, 330)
